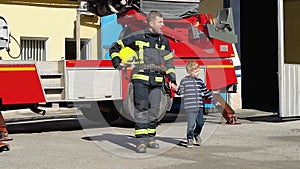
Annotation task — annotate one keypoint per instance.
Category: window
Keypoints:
(33, 48)
(70, 49)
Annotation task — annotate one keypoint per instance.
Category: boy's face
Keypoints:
(195, 72)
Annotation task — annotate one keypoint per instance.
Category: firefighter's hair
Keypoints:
(152, 15)
(191, 65)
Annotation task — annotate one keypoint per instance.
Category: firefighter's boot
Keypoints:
(141, 146)
(152, 143)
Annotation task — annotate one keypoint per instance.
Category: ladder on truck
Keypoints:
(226, 110)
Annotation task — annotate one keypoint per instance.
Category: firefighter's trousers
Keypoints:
(147, 105)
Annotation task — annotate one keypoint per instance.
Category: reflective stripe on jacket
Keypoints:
(151, 48)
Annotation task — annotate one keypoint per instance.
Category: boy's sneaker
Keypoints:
(190, 143)
(198, 140)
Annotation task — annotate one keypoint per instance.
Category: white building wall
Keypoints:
(56, 24)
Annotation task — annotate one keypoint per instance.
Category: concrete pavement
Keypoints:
(262, 141)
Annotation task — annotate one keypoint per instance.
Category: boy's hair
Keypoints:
(152, 15)
(191, 65)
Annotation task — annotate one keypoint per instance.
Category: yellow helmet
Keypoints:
(128, 55)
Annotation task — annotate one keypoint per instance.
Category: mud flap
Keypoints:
(128, 105)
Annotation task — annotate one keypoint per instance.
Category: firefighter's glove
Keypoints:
(171, 77)
(120, 67)
(117, 63)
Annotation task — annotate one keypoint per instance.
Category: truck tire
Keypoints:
(128, 105)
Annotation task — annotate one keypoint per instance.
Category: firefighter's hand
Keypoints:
(173, 86)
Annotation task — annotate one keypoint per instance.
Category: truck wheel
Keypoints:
(128, 105)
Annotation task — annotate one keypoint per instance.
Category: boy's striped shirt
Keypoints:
(194, 91)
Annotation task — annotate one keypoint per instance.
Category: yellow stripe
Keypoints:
(163, 47)
(142, 43)
(140, 77)
(120, 42)
(17, 68)
(151, 130)
(170, 70)
(158, 79)
(140, 131)
(220, 66)
(114, 54)
(168, 57)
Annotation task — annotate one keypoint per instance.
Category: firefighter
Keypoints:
(153, 61)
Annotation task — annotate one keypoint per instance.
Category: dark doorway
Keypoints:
(259, 55)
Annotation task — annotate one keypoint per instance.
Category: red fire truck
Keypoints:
(99, 90)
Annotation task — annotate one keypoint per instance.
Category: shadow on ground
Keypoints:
(261, 116)
(69, 123)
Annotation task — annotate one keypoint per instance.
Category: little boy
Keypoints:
(194, 91)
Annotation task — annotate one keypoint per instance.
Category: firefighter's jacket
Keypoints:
(154, 56)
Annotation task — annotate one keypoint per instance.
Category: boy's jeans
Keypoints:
(195, 122)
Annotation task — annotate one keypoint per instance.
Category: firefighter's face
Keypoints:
(157, 24)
